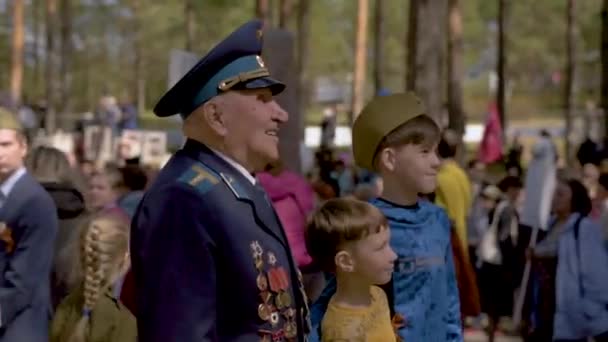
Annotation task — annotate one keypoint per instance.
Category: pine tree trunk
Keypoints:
(36, 13)
(358, 92)
(51, 66)
(285, 8)
(569, 75)
(379, 45)
(17, 53)
(140, 81)
(303, 35)
(501, 100)
(411, 44)
(425, 53)
(604, 51)
(262, 11)
(190, 28)
(65, 62)
(455, 68)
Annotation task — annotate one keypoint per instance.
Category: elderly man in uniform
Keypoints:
(210, 258)
(28, 227)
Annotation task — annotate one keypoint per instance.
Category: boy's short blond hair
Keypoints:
(339, 221)
(391, 121)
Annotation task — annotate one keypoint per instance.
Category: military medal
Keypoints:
(272, 259)
(274, 319)
(6, 235)
(278, 301)
(256, 249)
(284, 298)
(262, 282)
(266, 296)
(265, 335)
(291, 329)
(264, 311)
(289, 313)
(278, 279)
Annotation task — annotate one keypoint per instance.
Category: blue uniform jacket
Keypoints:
(25, 298)
(581, 282)
(423, 289)
(210, 258)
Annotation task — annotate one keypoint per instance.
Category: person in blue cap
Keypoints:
(210, 258)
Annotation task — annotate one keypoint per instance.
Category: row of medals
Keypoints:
(268, 310)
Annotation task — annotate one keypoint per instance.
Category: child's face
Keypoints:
(101, 193)
(417, 166)
(373, 258)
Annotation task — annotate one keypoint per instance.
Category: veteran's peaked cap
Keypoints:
(234, 63)
(381, 116)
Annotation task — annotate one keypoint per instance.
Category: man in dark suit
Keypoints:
(28, 226)
(210, 258)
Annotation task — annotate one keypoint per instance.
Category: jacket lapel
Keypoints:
(242, 189)
(13, 200)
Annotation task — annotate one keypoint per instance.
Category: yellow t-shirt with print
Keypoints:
(368, 324)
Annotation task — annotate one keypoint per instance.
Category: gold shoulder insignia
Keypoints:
(201, 177)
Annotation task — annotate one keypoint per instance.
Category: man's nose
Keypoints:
(279, 113)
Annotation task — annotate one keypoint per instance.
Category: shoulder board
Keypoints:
(200, 177)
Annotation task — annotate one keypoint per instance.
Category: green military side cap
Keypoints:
(381, 116)
(8, 120)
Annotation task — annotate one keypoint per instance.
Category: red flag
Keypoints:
(490, 149)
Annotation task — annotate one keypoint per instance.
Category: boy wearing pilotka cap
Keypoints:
(394, 137)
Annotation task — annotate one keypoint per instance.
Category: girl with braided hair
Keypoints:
(91, 313)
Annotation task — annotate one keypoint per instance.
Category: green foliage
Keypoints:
(535, 43)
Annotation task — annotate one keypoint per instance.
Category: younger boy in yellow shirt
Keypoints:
(351, 239)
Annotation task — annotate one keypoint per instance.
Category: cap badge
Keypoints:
(260, 61)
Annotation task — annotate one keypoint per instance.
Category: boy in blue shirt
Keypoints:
(394, 137)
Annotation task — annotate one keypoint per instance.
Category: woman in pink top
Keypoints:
(293, 199)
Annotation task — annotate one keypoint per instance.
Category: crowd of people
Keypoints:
(391, 241)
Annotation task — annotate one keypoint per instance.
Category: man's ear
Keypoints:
(212, 114)
(23, 146)
(344, 261)
(386, 159)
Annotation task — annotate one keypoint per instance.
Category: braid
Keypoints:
(95, 268)
(103, 246)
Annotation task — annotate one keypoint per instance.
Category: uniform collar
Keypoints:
(10, 182)
(235, 165)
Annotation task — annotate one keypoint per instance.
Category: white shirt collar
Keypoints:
(10, 182)
(236, 165)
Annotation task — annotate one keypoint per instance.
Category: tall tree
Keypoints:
(189, 23)
(604, 51)
(501, 65)
(411, 44)
(302, 54)
(17, 52)
(425, 52)
(570, 72)
(285, 8)
(455, 68)
(358, 92)
(36, 9)
(51, 66)
(262, 11)
(140, 81)
(379, 45)
(65, 60)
